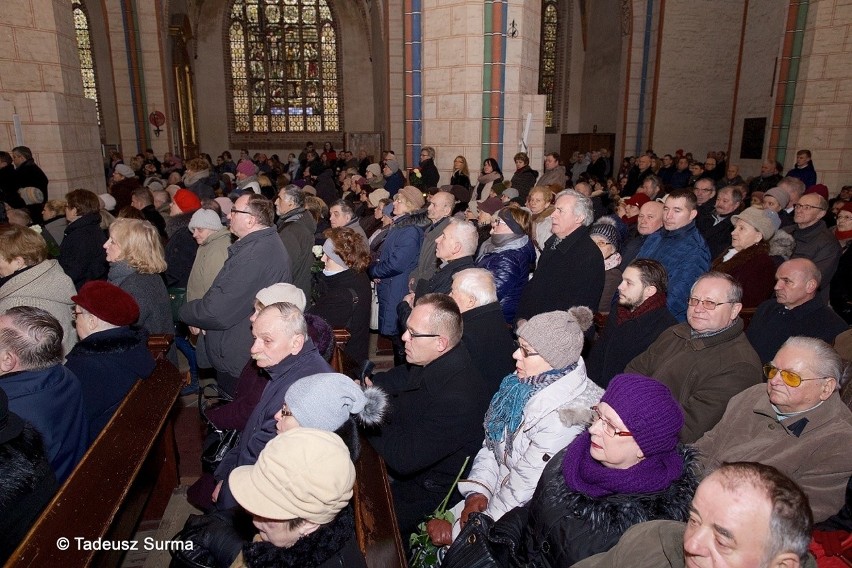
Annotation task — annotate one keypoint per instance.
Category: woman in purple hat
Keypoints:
(627, 468)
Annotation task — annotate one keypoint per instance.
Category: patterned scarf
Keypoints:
(506, 411)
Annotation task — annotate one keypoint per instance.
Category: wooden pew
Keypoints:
(127, 474)
(376, 527)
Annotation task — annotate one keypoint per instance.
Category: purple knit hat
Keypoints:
(648, 409)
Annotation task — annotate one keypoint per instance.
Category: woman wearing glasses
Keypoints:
(538, 409)
(627, 468)
(509, 256)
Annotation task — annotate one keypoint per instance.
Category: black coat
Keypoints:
(82, 255)
(489, 342)
(28, 485)
(9, 188)
(568, 274)
(108, 364)
(429, 173)
(718, 236)
(564, 526)
(344, 300)
(180, 250)
(298, 238)
(619, 344)
(434, 423)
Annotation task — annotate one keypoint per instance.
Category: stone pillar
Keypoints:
(454, 43)
(822, 111)
(40, 82)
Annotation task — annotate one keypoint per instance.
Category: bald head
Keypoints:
(796, 282)
(440, 205)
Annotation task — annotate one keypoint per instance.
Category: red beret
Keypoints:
(819, 189)
(638, 200)
(107, 302)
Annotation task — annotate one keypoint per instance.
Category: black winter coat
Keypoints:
(82, 255)
(564, 526)
(524, 180)
(489, 342)
(344, 300)
(108, 364)
(180, 249)
(619, 344)
(430, 173)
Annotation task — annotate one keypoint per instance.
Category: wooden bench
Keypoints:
(128, 474)
(376, 527)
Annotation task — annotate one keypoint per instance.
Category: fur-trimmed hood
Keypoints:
(24, 468)
(118, 341)
(782, 244)
(617, 513)
(177, 223)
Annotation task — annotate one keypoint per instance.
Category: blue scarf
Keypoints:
(506, 411)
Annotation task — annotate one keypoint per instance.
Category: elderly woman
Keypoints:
(627, 468)
(123, 182)
(135, 254)
(749, 260)
(776, 199)
(53, 214)
(536, 412)
(509, 256)
(200, 179)
(398, 256)
(605, 236)
(540, 205)
(343, 288)
(81, 254)
(29, 278)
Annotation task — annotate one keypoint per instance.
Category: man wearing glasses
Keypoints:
(707, 360)
(813, 239)
(795, 422)
(437, 403)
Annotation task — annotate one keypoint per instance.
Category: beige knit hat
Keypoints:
(558, 336)
(765, 221)
(300, 474)
(413, 196)
(282, 292)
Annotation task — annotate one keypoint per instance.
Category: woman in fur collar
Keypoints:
(627, 468)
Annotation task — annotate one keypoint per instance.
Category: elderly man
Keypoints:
(680, 248)
(553, 174)
(796, 422)
(283, 349)
(142, 199)
(437, 403)
(795, 310)
(256, 260)
(40, 389)
(706, 360)
(705, 197)
(570, 270)
(641, 316)
(814, 240)
(341, 214)
(637, 174)
(744, 515)
(716, 227)
(454, 248)
(440, 208)
(485, 333)
(652, 186)
(768, 178)
(649, 221)
(794, 188)
(296, 227)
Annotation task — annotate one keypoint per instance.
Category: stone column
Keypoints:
(40, 82)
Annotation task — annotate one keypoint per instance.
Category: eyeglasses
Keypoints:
(608, 427)
(525, 351)
(415, 335)
(75, 314)
(241, 211)
(790, 378)
(807, 207)
(497, 222)
(708, 305)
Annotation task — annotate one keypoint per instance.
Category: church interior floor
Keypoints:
(189, 433)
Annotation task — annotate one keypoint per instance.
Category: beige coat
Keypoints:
(45, 286)
(209, 260)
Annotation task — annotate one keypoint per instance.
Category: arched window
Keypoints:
(547, 64)
(283, 58)
(87, 60)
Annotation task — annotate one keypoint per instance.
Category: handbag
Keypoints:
(478, 547)
(177, 298)
(218, 442)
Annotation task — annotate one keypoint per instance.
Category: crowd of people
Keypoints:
(635, 364)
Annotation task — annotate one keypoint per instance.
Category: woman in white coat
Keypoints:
(537, 411)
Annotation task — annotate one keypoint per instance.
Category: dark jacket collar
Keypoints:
(286, 366)
(814, 304)
(678, 232)
(482, 312)
(683, 331)
(565, 244)
(251, 237)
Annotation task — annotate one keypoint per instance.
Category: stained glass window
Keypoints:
(87, 60)
(547, 67)
(283, 56)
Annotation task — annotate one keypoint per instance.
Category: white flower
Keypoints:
(36, 228)
(317, 250)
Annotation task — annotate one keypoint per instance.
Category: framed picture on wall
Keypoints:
(754, 131)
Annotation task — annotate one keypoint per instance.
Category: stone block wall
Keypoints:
(40, 82)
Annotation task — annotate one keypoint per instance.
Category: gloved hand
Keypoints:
(475, 503)
(216, 533)
(440, 531)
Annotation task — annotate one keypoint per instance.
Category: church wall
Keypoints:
(209, 69)
(601, 68)
(756, 89)
(822, 113)
(698, 64)
(40, 82)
